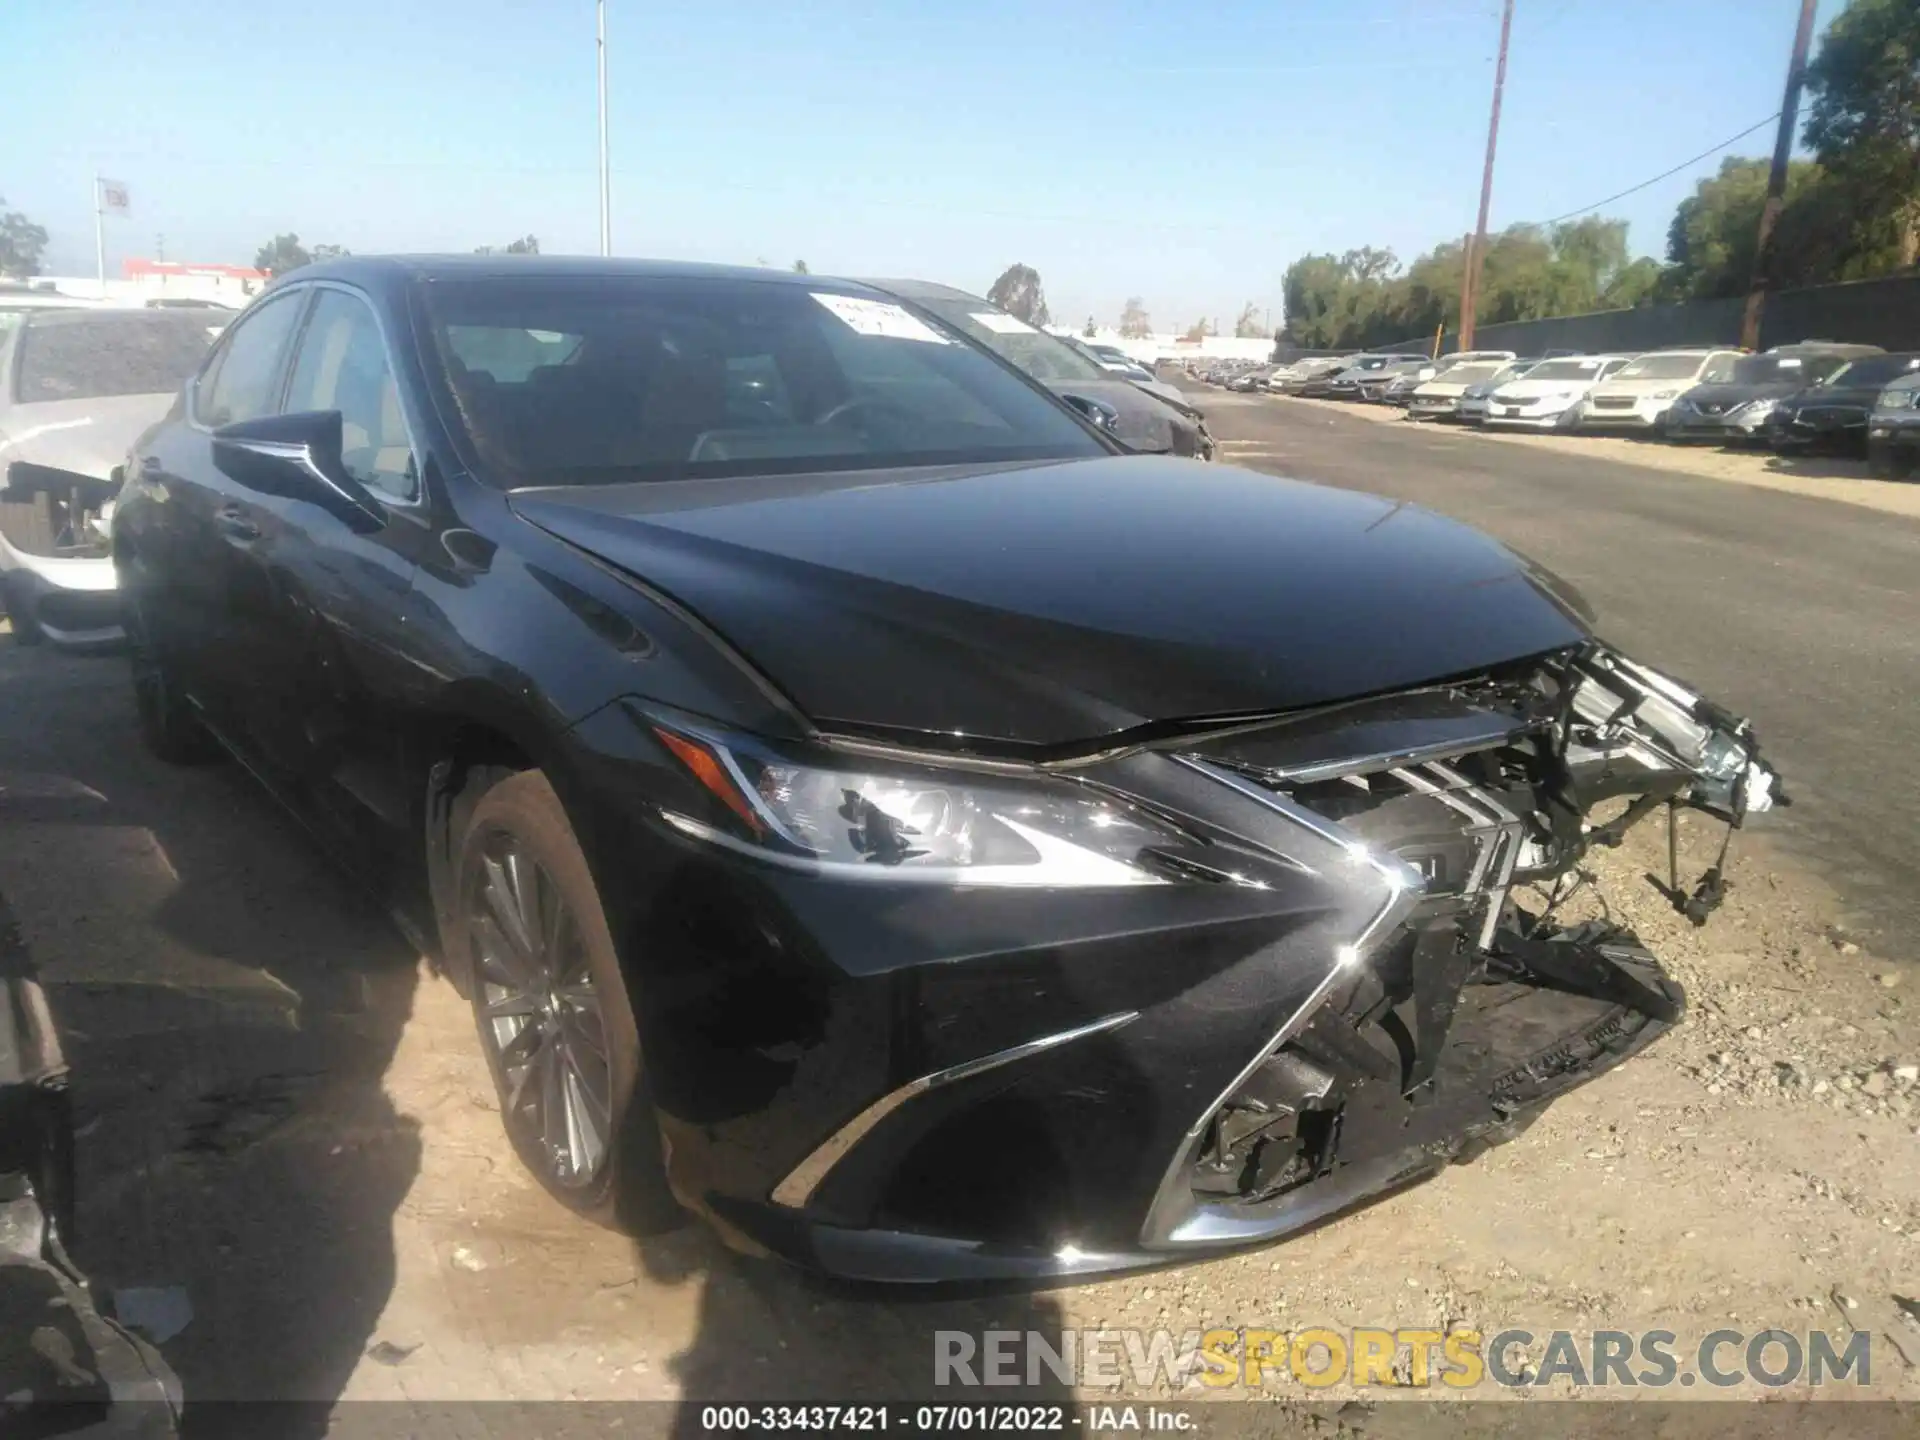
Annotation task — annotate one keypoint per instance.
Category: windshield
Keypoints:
(1661, 367)
(1047, 358)
(82, 356)
(1875, 370)
(1585, 368)
(1769, 370)
(683, 378)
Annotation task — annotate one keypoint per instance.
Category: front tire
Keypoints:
(554, 1016)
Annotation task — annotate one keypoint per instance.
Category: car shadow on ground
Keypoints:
(229, 1008)
(770, 1334)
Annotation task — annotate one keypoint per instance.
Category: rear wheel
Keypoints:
(169, 727)
(552, 1009)
(18, 597)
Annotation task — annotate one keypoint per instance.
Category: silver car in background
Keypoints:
(77, 388)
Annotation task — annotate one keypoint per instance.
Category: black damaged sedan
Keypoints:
(864, 805)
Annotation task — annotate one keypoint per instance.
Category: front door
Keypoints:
(321, 711)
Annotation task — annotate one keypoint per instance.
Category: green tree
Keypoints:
(1197, 331)
(1710, 242)
(799, 266)
(1634, 284)
(1135, 323)
(1248, 325)
(22, 243)
(1863, 125)
(329, 252)
(1019, 293)
(281, 254)
(1090, 330)
(525, 245)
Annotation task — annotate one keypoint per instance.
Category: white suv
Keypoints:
(1552, 395)
(1638, 395)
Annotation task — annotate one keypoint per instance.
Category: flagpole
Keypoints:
(606, 202)
(99, 237)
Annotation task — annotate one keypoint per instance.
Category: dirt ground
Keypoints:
(1827, 477)
(284, 1113)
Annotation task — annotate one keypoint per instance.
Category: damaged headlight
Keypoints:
(1641, 714)
(907, 824)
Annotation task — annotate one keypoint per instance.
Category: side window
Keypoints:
(342, 365)
(1719, 370)
(240, 385)
(1821, 366)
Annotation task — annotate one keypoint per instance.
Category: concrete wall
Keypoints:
(1884, 312)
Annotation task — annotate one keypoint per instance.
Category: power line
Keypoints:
(1665, 174)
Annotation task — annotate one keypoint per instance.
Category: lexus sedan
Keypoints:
(866, 806)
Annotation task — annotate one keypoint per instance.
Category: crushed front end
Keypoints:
(1336, 967)
(1475, 1008)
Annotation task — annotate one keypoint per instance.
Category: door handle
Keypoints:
(234, 523)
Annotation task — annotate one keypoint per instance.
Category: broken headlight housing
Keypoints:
(913, 823)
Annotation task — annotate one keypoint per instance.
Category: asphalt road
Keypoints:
(1800, 612)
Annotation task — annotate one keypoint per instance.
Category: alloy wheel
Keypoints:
(540, 1013)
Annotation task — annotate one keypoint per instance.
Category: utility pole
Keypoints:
(1777, 179)
(1470, 281)
(606, 202)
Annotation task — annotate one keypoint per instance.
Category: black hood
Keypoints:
(1046, 604)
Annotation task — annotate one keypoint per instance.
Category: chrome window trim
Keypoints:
(805, 1178)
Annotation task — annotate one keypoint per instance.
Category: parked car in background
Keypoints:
(1472, 409)
(1439, 398)
(1735, 411)
(1153, 418)
(1250, 380)
(77, 386)
(1308, 377)
(1552, 395)
(1395, 383)
(1639, 394)
(864, 806)
(1832, 413)
(1893, 430)
(1344, 384)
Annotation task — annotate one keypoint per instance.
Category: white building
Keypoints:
(1153, 348)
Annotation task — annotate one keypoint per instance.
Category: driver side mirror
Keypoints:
(1098, 411)
(297, 457)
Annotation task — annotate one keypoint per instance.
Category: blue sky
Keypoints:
(1185, 153)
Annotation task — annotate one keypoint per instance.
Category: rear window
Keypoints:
(565, 380)
(82, 357)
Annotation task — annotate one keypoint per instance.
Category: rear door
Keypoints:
(199, 598)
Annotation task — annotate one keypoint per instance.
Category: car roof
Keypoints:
(382, 270)
(1825, 347)
(40, 319)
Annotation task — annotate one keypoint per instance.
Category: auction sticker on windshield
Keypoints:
(879, 318)
(1000, 324)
